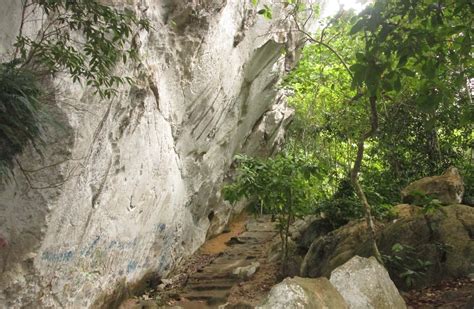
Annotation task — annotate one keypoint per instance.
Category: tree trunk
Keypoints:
(355, 177)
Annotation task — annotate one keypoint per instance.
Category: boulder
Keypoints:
(317, 227)
(299, 293)
(445, 239)
(448, 188)
(275, 251)
(404, 211)
(334, 249)
(365, 284)
(246, 272)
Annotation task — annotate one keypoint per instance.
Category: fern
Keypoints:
(20, 114)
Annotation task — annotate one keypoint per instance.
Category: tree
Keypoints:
(85, 39)
(282, 185)
(423, 46)
(431, 38)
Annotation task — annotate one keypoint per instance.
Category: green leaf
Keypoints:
(397, 85)
(360, 57)
(429, 69)
(428, 104)
(397, 248)
(358, 26)
(408, 72)
(402, 60)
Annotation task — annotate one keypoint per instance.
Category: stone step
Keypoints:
(211, 297)
(259, 235)
(211, 285)
(209, 276)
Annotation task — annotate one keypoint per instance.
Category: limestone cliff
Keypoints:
(129, 186)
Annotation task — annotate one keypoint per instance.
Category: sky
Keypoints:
(331, 7)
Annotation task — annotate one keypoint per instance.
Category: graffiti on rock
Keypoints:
(55, 255)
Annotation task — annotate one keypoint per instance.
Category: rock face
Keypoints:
(444, 238)
(365, 284)
(129, 186)
(447, 188)
(301, 293)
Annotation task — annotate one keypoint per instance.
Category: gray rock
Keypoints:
(365, 284)
(300, 293)
(246, 272)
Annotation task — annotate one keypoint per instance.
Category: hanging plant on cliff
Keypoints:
(84, 39)
(19, 112)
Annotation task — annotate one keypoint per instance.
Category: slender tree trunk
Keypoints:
(355, 177)
(287, 231)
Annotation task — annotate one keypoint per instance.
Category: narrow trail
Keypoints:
(208, 279)
(212, 285)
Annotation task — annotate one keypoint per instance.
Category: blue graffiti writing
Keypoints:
(66, 255)
(132, 266)
(160, 227)
(58, 257)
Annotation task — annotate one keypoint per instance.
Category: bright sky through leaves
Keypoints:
(331, 7)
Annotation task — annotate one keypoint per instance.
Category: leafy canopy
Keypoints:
(84, 38)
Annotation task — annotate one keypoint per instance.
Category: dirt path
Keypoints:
(207, 279)
(450, 294)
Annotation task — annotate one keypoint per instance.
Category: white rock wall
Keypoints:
(126, 187)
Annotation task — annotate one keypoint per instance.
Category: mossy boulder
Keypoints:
(336, 248)
(444, 239)
(448, 188)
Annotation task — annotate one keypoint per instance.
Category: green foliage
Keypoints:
(424, 43)
(266, 12)
(326, 123)
(408, 136)
(467, 173)
(284, 187)
(404, 262)
(20, 113)
(104, 40)
(429, 203)
(343, 206)
(418, 135)
(83, 38)
(274, 182)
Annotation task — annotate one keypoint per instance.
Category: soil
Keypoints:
(218, 244)
(451, 294)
